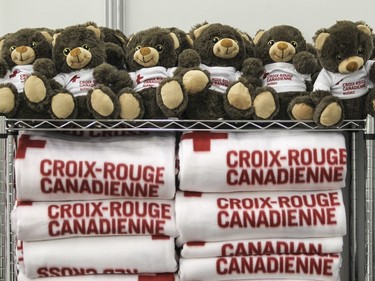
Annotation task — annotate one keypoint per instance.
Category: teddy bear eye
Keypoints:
(66, 51)
(12, 48)
(86, 47)
(159, 48)
(33, 44)
(271, 42)
(294, 44)
(215, 40)
(338, 57)
(138, 47)
(360, 51)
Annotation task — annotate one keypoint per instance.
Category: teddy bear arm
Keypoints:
(189, 58)
(3, 68)
(104, 73)
(372, 73)
(45, 67)
(252, 67)
(305, 63)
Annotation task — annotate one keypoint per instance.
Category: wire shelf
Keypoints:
(174, 125)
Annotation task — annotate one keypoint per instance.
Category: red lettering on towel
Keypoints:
(157, 277)
(202, 140)
(24, 143)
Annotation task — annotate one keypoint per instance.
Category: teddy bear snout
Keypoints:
(21, 49)
(352, 66)
(227, 43)
(145, 51)
(75, 52)
(282, 46)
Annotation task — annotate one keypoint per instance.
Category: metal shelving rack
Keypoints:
(357, 131)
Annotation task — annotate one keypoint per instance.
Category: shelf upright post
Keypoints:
(353, 210)
(369, 200)
(3, 198)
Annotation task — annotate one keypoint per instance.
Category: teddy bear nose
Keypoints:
(21, 49)
(352, 66)
(282, 46)
(227, 43)
(75, 52)
(145, 51)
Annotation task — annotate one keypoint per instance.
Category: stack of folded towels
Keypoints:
(261, 206)
(95, 207)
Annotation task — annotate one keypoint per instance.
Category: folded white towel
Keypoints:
(290, 267)
(33, 221)
(263, 246)
(257, 161)
(248, 215)
(104, 277)
(51, 166)
(99, 255)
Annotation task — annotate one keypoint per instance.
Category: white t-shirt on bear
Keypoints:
(345, 86)
(150, 77)
(17, 76)
(221, 76)
(77, 82)
(283, 77)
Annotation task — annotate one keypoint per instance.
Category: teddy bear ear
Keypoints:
(176, 42)
(364, 29)
(320, 39)
(257, 36)
(54, 38)
(95, 29)
(189, 40)
(197, 32)
(48, 36)
(1, 43)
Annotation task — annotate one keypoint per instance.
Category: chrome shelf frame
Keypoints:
(9, 128)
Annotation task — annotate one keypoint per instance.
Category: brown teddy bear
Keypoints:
(206, 72)
(151, 58)
(76, 82)
(18, 52)
(348, 74)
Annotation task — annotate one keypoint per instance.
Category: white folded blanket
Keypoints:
(248, 215)
(104, 277)
(257, 161)
(323, 245)
(99, 255)
(290, 267)
(52, 166)
(33, 221)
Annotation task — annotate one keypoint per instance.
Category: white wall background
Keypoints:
(16, 14)
(249, 16)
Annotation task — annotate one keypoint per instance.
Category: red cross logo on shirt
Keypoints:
(14, 73)
(25, 142)
(139, 78)
(202, 140)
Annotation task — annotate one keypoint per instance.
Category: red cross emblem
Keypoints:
(139, 78)
(25, 142)
(202, 140)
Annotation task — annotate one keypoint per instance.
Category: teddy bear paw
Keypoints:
(195, 81)
(7, 100)
(171, 94)
(265, 104)
(34, 89)
(101, 103)
(302, 111)
(331, 115)
(62, 105)
(130, 106)
(239, 96)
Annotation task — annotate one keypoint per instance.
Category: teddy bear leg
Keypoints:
(266, 103)
(36, 89)
(63, 106)
(8, 99)
(329, 111)
(131, 106)
(301, 108)
(238, 102)
(171, 97)
(195, 81)
(370, 103)
(103, 103)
